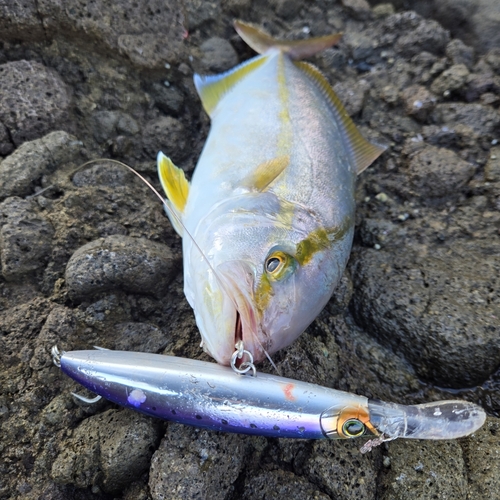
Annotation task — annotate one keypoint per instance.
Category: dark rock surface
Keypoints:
(89, 258)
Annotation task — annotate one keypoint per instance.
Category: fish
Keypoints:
(267, 219)
(211, 396)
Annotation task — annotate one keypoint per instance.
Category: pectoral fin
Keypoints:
(266, 173)
(176, 188)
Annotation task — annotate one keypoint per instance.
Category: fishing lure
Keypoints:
(269, 212)
(213, 396)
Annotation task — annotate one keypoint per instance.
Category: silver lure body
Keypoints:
(213, 396)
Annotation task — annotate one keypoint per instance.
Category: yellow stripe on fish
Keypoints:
(268, 217)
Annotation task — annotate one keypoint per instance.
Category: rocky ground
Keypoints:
(416, 317)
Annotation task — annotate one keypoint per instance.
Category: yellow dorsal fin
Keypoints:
(176, 188)
(266, 173)
(298, 49)
(212, 88)
(363, 153)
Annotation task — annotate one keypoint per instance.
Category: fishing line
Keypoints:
(179, 221)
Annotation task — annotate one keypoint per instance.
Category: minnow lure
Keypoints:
(213, 396)
(270, 208)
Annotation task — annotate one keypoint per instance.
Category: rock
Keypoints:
(434, 310)
(218, 55)
(332, 469)
(482, 119)
(434, 469)
(28, 163)
(352, 95)
(435, 173)
(25, 238)
(109, 123)
(416, 34)
(478, 85)
(110, 449)
(359, 9)
(383, 10)
(459, 53)
(287, 9)
(484, 22)
(418, 102)
(492, 168)
(139, 337)
(136, 265)
(276, 485)
(33, 100)
(482, 460)
(196, 463)
(6, 146)
(451, 80)
(103, 173)
(165, 134)
(169, 99)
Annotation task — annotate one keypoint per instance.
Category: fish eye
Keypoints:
(273, 264)
(353, 428)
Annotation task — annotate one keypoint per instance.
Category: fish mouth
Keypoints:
(238, 278)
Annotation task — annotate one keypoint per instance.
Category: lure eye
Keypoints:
(353, 428)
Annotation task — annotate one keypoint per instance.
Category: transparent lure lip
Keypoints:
(437, 420)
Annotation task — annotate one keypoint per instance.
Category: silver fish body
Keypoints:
(270, 208)
(213, 396)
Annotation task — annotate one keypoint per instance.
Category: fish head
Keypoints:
(268, 268)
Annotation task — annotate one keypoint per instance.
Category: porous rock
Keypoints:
(451, 80)
(25, 238)
(434, 469)
(111, 450)
(441, 320)
(24, 167)
(165, 134)
(196, 463)
(33, 100)
(218, 55)
(482, 119)
(276, 485)
(434, 172)
(492, 168)
(418, 101)
(120, 262)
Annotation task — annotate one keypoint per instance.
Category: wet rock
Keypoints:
(165, 134)
(286, 8)
(418, 102)
(25, 238)
(416, 34)
(437, 310)
(482, 119)
(218, 55)
(451, 80)
(276, 485)
(103, 173)
(483, 461)
(478, 85)
(33, 99)
(359, 9)
(383, 10)
(459, 53)
(435, 172)
(33, 159)
(352, 95)
(109, 123)
(341, 471)
(6, 146)
(434, 469)
(110, 449)
(169, 99)
(195, 463)
(120, 262)
(139, 337)
(492, 168)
